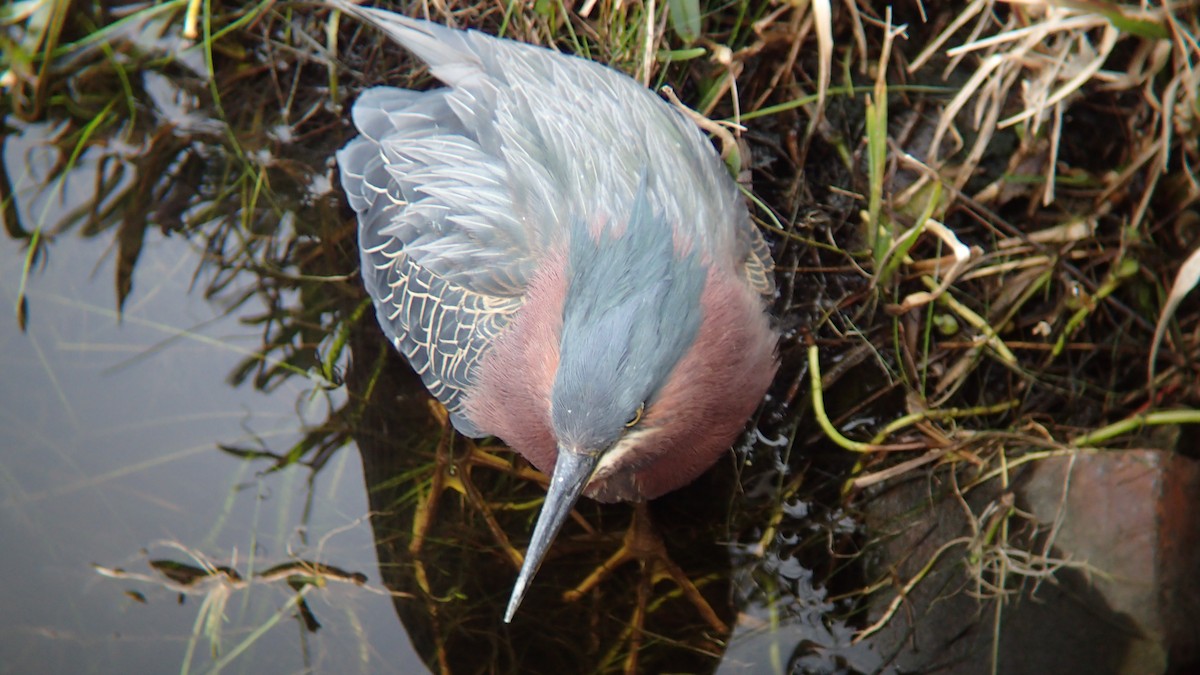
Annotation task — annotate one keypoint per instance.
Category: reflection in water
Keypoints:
(214, 583)
(444, 514)
(139, 145)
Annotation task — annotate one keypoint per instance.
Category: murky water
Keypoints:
(110, 435)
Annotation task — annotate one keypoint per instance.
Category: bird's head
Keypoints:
(631, 310)
(633, 366)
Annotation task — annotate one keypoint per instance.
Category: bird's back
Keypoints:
(566, 138)
(462, 191)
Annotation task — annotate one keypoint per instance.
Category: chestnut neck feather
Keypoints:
(511, 398)
(699, 411)
(706, 400)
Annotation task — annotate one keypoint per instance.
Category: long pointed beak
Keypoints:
(572, 471)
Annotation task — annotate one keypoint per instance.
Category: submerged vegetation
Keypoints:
(985, 224)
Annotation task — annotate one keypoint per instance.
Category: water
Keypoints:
(110, 434)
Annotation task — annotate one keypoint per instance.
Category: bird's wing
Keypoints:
(450, 202)
(574, 139)
(438, 271)
(758, 267)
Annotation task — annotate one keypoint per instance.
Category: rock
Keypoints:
(1125, 600)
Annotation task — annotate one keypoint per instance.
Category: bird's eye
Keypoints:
(637, 416)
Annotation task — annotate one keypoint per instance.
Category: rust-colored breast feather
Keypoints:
(709, 395)
(699, 413)
(511, 398)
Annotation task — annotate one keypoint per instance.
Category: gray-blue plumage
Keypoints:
(632, 308)
(461, 192)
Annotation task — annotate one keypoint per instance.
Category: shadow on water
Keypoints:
(125, 136)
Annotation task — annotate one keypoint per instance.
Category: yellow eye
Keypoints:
(637, 416)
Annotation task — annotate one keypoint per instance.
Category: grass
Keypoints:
(947, 220)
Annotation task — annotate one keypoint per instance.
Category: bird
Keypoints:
(565, 260)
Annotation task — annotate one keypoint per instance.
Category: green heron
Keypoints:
(564, 259)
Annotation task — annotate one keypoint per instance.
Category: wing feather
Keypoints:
(461, 191)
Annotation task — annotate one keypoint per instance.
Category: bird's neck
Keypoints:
(511, 396)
